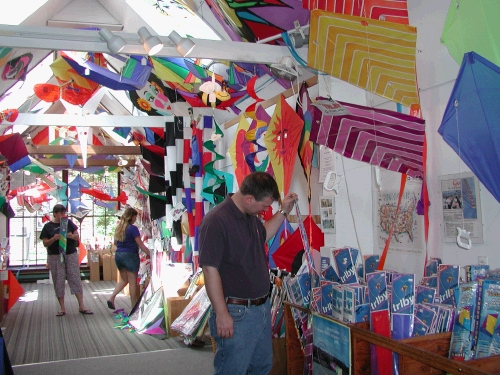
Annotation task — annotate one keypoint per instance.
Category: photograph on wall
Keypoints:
(331, 347)
(327, 212)
(461, 206)
(406, 250)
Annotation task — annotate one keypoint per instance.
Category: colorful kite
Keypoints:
(383, 10)
(306, 147)
(154, 98)
(389, 139)
(65, 74)
(241, 168)
(251, 21)
(282, 141)
(70, 93)
(471, 120)
(17, 68)
(472, 25)
(148, 315)
(14, 149)
(98, 72)
(377, 56)
(286, 253)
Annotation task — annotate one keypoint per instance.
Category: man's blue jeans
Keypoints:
(250, 350)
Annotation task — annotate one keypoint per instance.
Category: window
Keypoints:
(95, 223)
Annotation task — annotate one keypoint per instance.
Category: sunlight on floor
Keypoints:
(30, 296)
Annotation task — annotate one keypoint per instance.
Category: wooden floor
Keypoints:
(34, 334)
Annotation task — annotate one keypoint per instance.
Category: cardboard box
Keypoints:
(114, 270)
(175, 305)
(106, 268)
(94, 271)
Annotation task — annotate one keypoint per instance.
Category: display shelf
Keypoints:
(418, 355)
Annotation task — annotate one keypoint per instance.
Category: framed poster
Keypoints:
(327, 212)
(460, 202)
(331, 347)
(407, 245)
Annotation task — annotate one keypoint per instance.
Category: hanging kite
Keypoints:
(122, 197)
(77, 208)
(70, 93)
(285, 230)
(383, 10)
(154, 98)
(472, 25)
(13, 148)
(389, 139)
(17, 68)
(282, 141)
(285, 255)
(471, 120)
(253, 20)
(254, 147)
(9, 115)
(306, 147)
(377, 56)
(5, 54)
(240, 166)
(216, 183)
(95, 69)
(64, 73)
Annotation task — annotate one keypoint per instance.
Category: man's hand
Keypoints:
(225, 327)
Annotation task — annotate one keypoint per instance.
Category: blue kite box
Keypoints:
(402, 305)
(337, 302)
(487, 311)
(345, 266)
(448, 277)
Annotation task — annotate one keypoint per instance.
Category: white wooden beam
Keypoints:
(91, 120)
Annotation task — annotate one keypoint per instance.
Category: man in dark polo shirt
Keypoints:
(233, 258)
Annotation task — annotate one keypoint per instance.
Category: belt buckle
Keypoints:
(249, 303)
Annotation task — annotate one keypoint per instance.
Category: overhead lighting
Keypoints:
(152, 44)
(184, 45)
(115, 43)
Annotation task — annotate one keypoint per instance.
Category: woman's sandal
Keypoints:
(85, 312)
(61, 313)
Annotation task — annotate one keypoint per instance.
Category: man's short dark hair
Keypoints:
(260, 185)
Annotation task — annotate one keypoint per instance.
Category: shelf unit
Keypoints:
(418, 355)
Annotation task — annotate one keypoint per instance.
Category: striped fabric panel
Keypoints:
(377, 56)
(389, 139)
(384, 10)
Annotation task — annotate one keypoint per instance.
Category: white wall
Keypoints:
(436, 72)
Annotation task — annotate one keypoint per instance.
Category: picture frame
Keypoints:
(327, 214)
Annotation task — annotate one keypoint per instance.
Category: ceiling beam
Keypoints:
(54, 38)
(92, 120)
(76, 149)
(63, 162)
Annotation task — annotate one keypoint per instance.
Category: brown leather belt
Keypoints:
(246, 302)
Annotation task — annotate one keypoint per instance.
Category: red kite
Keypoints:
(282, 140)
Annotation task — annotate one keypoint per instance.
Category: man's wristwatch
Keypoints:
(283, 212)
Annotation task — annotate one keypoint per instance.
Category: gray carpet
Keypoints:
(165, 362)
(35, 335)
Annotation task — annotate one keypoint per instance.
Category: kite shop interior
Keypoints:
(398, 214)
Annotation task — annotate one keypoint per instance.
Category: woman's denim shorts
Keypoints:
(127, 261)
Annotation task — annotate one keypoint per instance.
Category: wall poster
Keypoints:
(461, 206)
(407, 247)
